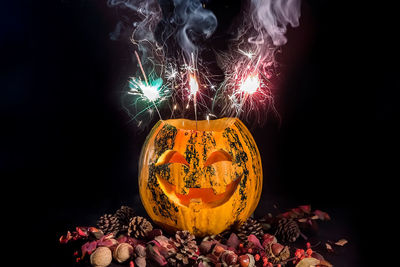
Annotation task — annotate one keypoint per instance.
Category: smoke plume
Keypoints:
(271, 17)
(193, 23)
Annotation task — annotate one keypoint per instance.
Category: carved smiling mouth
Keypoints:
(203, 196)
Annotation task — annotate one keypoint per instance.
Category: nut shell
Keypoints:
(101, 257)
(123, 252)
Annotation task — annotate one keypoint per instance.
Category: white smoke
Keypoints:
(271, 17)
(148, 14)
(193, 21)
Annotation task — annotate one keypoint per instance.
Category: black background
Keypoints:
(69, 152)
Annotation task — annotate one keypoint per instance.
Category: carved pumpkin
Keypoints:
(203, 180)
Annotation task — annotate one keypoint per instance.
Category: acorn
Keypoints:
(247, 260)
(229, 258)
(244, 260)
(101, 257)
(277, 248)
(123, 252)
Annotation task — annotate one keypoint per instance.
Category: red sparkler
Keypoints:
(250, 84)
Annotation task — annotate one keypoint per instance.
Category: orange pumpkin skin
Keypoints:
(203, 179)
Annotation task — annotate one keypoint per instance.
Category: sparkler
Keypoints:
(151, 92)
(194, 88)
(246, 88)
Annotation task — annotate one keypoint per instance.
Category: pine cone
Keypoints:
(124, 215)
(250, 227)
(108, 223)
(287, 230)
(186, 249)
(139, 227)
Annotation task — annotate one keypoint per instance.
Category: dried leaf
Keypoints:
(88, 248)
(65, 238)
(305, 208)
(317, 256)
(253, 239)
(308, 262)
(324, 263)
(322, 215)
(107, 243)
(233, 241)
(289, 215)
(341, 242)
(162, 240)
(329, 247)
(298, 212)
(269, 239)
(82, 231)
(154, 254)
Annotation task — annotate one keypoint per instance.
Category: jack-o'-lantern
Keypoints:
(203, 177)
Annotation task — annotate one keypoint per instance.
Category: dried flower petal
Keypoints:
(233, 241)
(305, 208)
(82, 231)
(308, 262)
(322, 215)
(341, 242)
(329, 247)
(155, 255)
(65, 238)
(88, 248)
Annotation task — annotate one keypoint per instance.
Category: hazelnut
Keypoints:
(101, 257)
(123, 252)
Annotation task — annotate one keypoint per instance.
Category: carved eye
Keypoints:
(171, 156)
(216, 156)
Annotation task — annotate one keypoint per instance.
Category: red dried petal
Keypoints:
(287, 214)
(154, 254)
(305, 208)
(322, 215)
(106, 243)
(253, 239)
(65, 238)
(233, 241)
(82, 231)
(93, 229)
(268, 239)
(88, 248)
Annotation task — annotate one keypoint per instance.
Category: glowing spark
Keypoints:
(150, 92)
(251, 84)
(249, 54)
(171, 74)
(194, 86)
